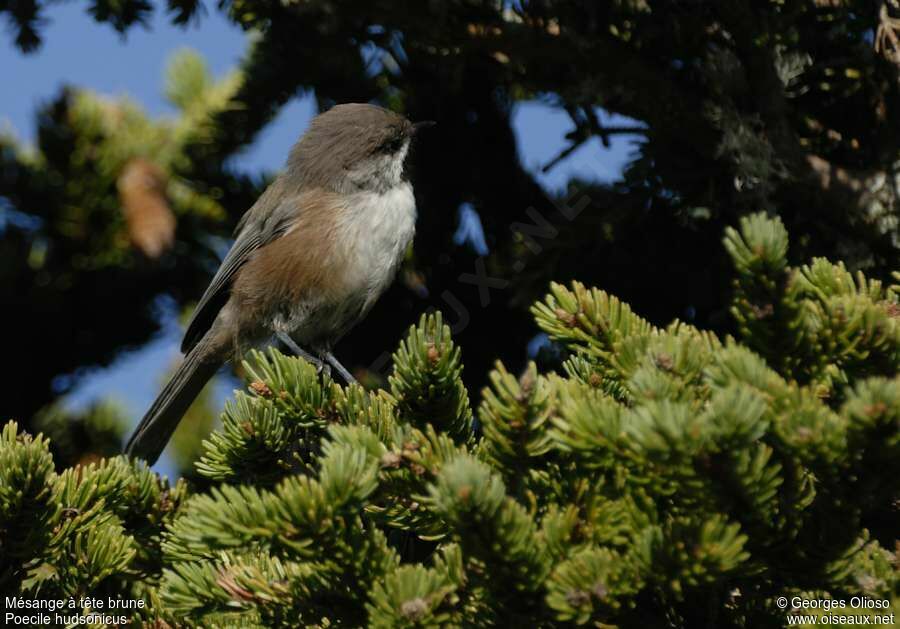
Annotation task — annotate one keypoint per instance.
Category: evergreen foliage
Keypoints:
(669, 479)
(95, 529)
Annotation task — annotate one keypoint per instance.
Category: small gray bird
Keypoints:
(310, 258)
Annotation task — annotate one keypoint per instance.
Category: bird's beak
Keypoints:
(418, 126)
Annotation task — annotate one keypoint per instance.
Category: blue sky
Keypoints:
(79, 52)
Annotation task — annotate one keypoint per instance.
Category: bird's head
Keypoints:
(353, 147)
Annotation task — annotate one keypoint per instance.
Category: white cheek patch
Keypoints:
(401, 154)
(380, 172)
(394, 166)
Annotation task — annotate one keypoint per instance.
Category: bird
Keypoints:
(309, 260)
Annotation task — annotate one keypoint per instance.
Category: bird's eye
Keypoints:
(393, 145)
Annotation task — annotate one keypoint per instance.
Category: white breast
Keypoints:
(378, 228)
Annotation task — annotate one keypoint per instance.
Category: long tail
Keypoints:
(156, 428)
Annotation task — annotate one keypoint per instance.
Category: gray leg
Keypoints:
(298, 351)
(338, 367)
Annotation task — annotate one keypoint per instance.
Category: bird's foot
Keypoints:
(338, 367)
(302, 353)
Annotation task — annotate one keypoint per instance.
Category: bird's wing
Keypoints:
(255, 229)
